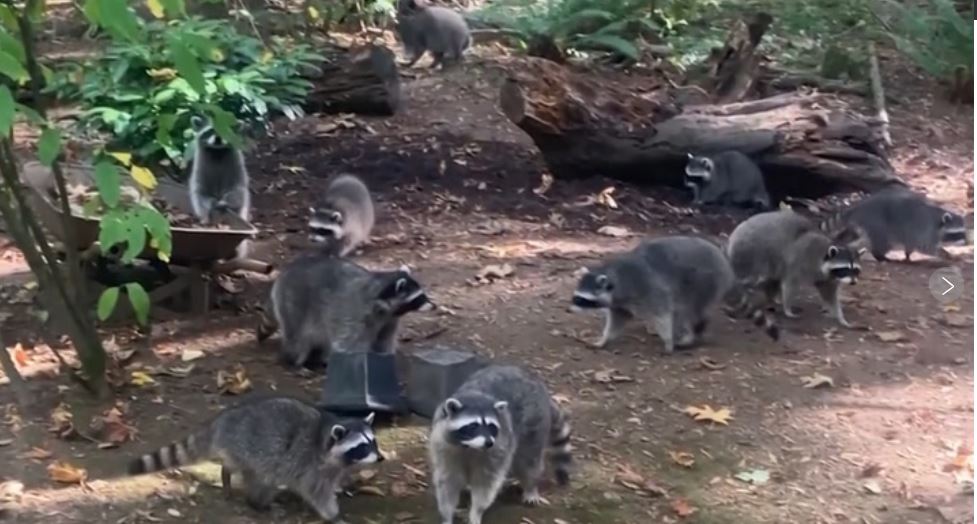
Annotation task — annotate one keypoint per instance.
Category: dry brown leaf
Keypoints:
(963, 461)
(113, 429)
(6, 442)
(956, 320)
(371, 490)
(608, 376)
(891, 336)
(399, 489)
(141, 378)
(61, 422)
(18, 355)
(706, 413)
(614, 231)
(682, 508)
(66, 473)
(560, 399)
(709, 363)
(37, 453)
(606, 199)
(191, 354)
(682, 458)
(872, 487)
(494, 272)
(233, 382)
(628, 477)
(545, 183)
(817, 380)
(653, 489)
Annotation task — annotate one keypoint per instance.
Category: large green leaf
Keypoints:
(108, 182)
(106, 302)
(7, 106)
(610, 42)
(139, 300)
(11, 67)
(135, 237)
(12, 46)
(49, 145)
(188, 66)
(111, 230)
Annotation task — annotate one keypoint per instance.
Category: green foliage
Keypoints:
(106, 303)
(143, 93)
(933, 34)
(330, 12)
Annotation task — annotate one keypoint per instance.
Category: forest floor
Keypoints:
(459, 188)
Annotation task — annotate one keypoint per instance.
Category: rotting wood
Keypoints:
(363, 81)
(878, 95)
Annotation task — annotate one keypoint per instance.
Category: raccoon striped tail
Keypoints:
(740, 304)
(180, 453)
(560, 448)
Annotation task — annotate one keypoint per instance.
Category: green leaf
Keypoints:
(224, 123)
(135, 237)
(11, 67)
(49, 145)
(164, 125)
(107, 181)
(175, 8)
(188, 66)
(116, 17)
(139, 300)
(106, 303)
(32, 116)
(111, 230)
(12, 46)
(6, 111)
(612, 43)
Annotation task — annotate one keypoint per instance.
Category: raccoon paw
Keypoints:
(533, 498)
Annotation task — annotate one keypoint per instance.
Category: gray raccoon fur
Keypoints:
(423, 27)
(501, 421)
(323, 303)
(344, 215)
(218, 178)
(898, 217)
(729, 178)
(780, 251)
(272, 442)
(672, 282)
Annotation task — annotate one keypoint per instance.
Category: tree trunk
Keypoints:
(586, 128)
(362, 81)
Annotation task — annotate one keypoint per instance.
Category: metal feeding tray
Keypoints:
(191, 245)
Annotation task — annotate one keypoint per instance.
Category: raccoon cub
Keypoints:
(672, 282)
(423, 27)
(729, 177)
(500, 421)
(323, 303)
(272, 442)
(898, 217)
(344, 215)
(218, 179)
(781, 251)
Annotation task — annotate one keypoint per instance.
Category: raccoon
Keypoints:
(272, 442)
(780, 251)
(323, 303)
(673, 282)
(218, 178)
(344, 215)
(898, 217)
(500, 421)
(729, 177)
(423, 27)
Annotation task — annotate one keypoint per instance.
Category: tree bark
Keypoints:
(362, 81)
(585, 128)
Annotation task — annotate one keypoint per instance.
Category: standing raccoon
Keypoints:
(672, 282)
(898, 217)
(344, 216)
(218, 178)
(276, 441)
(323, 303)
(500, 421)
(781, 251)
(729, 177)
(423, 27)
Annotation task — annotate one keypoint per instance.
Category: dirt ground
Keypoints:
(458, 188)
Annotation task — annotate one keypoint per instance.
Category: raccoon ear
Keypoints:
(337, 433)
(197, 123)
(452, 406)
(832, 251)
(690, 155)
(501, 405)
(404, 268)
(946, 218)
(369, 419)
(337, 216)
(311, 210)
(584, 270)
(862, 250)
(601, 280)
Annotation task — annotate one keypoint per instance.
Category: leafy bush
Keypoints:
(143, 93)
(934, 35)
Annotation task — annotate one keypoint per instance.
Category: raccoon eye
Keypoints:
(501, 405)
(401, 285)
(337, 217)
(602, 280)
(947, 217)
(832, 252)
(337, 432)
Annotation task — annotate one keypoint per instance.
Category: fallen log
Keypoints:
(584, 127)
(363, 81)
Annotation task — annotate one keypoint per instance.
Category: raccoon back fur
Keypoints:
(501, 421)
(271, 442)
(323, 303)
(899, 217)
(781, 251)
(670, 282)
(344, 215)
(729, 177)
(423, 27)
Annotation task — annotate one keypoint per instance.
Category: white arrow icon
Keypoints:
(949, 289)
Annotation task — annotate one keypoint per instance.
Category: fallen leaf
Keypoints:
(174, 513)
(18, 355)
(604, 198)
(757, 477)
(891, 336)
(37, 453)
(494, 272)
(628, 477)
(709, 363)
(608, 376)
(682, 458)
(6, 442)
(956, 320)
(560, 399)
(61, 421)
(545, 183)
(234, 382)
(366, 474)
(653, 489)
(817, 380)
(872, 487)
(191, 354)
(140, 378)
(399, 488)
(66, 473)
(371, 490)
(963, 461)
(682, 508)
(706, 413)
(614, 231)
(113, 429)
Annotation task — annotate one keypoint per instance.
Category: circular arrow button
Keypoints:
(946, 284)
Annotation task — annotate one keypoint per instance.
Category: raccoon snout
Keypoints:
(489, 442)
(380, 457)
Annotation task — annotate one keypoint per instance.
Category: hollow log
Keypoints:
(363, 81)
(584, 127)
